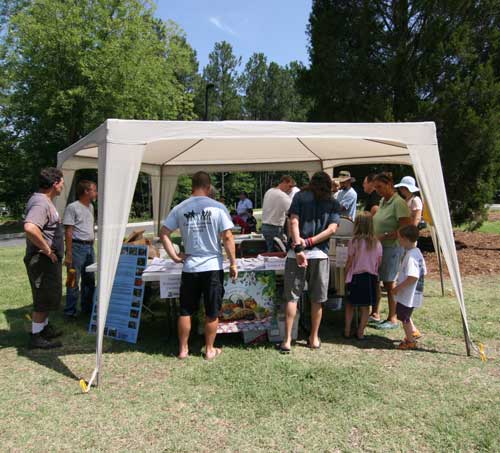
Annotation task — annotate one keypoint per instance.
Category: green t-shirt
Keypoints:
(386, 219)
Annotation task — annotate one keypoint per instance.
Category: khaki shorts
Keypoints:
(46, 281)
(316, 274)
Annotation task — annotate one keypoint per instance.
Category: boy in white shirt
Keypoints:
(409, 291)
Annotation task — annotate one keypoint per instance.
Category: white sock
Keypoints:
(46, 321)
(37, 327)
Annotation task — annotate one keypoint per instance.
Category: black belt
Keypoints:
(78, 241)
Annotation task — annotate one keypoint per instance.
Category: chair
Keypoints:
(278, 244)
(251, 248)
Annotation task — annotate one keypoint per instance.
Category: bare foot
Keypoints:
(183, 355)
(215, 352)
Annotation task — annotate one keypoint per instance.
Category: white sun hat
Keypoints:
(409, 183)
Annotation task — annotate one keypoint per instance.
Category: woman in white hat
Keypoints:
(407, 189)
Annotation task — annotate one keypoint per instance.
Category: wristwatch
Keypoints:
(386, 234)
(298, 248)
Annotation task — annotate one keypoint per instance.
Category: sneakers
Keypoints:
(387, 325)
(49, 332)
(406, 345)
(37, 341)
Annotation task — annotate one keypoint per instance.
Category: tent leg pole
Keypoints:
(440, 263)
(466, 336)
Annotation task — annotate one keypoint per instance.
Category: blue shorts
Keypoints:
(391, 257)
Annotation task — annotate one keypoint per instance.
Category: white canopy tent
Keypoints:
(120, 149)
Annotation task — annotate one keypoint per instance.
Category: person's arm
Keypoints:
(324, 235)
(169, 246)
(374, 209)
(408, 282)
(297, 240)
(68, 235)
(34, 235)
(228, 241)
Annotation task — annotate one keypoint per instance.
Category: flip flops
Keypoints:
(279, 347)
(218, 352)
(387, 325)
(311, 346)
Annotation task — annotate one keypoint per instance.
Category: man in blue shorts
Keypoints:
(203, 222)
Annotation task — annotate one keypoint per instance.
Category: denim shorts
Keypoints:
(389, 267)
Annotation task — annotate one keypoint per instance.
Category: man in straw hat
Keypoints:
(347, 196)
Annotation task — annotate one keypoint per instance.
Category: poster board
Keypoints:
(248, 303)
(127, 295)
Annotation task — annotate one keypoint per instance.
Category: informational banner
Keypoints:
(125, 305)
(248, 302)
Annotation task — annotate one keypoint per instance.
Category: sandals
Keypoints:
(279, 347)
(311, 346)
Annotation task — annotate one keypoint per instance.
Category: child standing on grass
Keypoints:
(364, 257)
(409, 290)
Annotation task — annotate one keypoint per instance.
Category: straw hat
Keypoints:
(344, 176)
(409, 183)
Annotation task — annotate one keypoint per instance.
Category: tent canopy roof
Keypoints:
(194, 144)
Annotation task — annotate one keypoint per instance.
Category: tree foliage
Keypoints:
(67, 65)
(404, 60)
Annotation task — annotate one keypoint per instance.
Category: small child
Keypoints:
(251, 222)
(364, 257)
(409, 290)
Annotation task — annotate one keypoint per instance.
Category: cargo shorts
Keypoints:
(45, 278)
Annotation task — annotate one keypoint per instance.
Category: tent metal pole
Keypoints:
(160, 201)
(466, 335)
(440, 262)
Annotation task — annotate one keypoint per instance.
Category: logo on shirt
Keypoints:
(192, 216)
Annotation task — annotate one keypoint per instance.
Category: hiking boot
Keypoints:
(37, 341)
(49, 332)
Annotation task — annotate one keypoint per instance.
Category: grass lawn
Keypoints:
(347, 396)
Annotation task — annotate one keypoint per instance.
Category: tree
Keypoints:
(67, 65)
(405, 60)
(221, 74)
(254, 80)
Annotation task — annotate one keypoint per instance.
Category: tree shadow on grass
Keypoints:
(154, 338)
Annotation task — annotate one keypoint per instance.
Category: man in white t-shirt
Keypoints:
(409, 291)
(243, 206)
(202, 222)
(274, 209)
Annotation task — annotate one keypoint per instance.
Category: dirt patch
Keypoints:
(478, 253)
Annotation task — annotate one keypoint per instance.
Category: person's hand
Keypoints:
(395, 290)
(301, 259)
(301, 242)
(233, 272)
(180, 258)
(68, 261)
(52, 256)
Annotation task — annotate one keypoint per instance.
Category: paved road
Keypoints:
(148, 226)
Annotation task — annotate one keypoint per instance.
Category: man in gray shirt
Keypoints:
(79, 233)
(43, 259)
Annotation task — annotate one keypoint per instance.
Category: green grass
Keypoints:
(490, 227)
(345, 397)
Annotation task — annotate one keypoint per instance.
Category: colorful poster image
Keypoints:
(125, 305)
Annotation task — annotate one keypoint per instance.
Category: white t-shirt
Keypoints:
(412, 265)
(243, 206)
(201, 221)
(414, 203)
(274, 207)
(292, 193)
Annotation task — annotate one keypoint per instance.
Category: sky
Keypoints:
(276, 28)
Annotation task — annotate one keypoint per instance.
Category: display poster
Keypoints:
(125, 304)
(248, 303)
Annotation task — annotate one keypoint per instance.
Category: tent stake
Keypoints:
(466, 335)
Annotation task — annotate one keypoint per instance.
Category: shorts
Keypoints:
(362, 291)
(316, 274)
(46, 281)
(391, 256)
(210, 284)
(404, 313)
